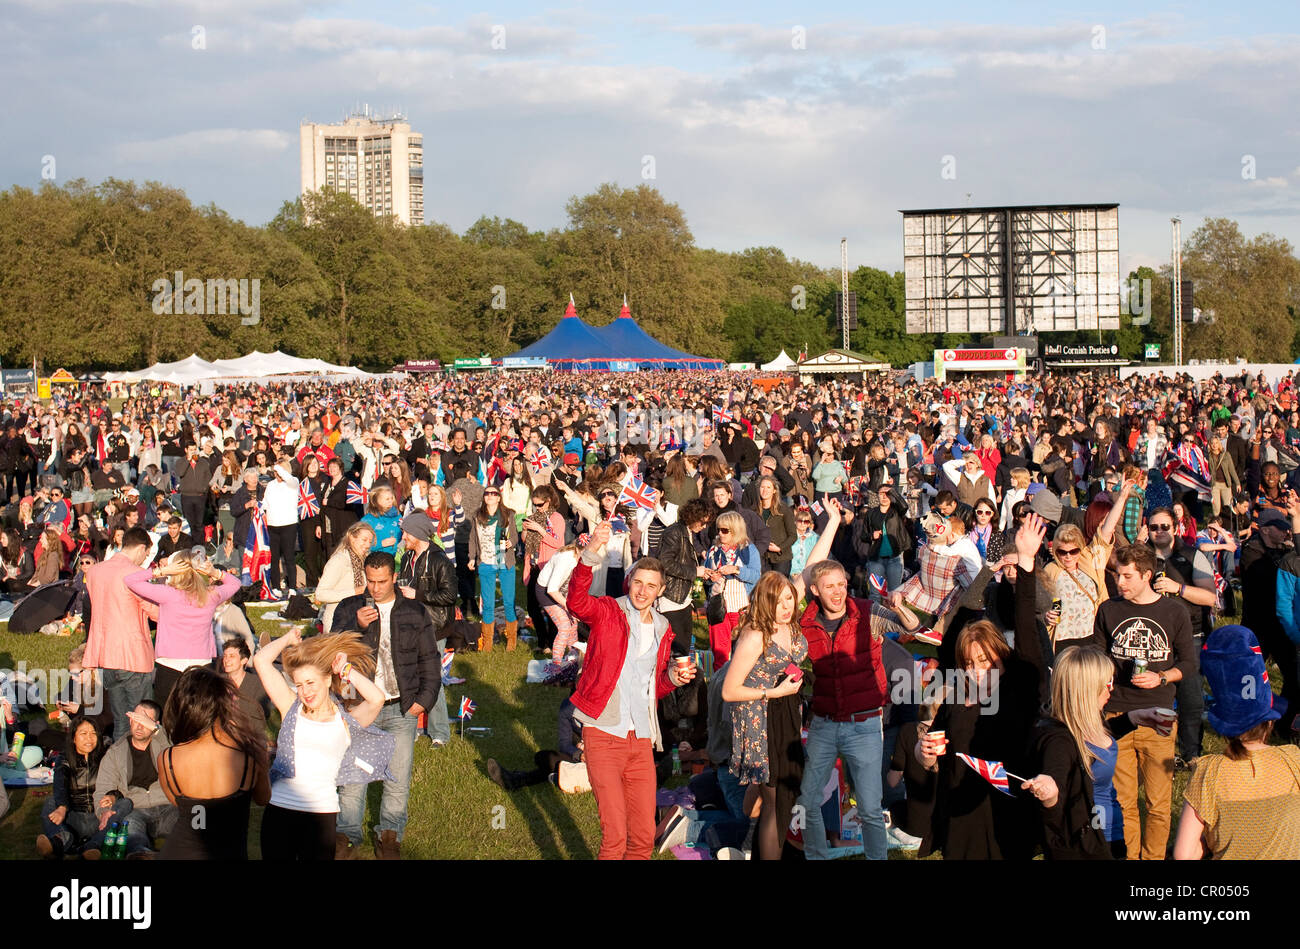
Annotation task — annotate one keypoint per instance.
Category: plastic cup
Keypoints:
(1167, 715)
(683, 663)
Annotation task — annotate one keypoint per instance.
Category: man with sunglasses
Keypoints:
(1188, 575)
(1149, 638)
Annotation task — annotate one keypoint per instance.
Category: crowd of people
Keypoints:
(998, 604)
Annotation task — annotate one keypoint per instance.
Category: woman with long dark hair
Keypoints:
(214, 769)
(68, 822)
(780, 521)
(492, 542)
(313, 528)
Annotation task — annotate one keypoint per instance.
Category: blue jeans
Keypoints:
(79, 831)
(392, 809)
(438, 725)
(891, 568)
(861, 745)
(145, 824)
(733, 792)
(487, 589)
(125, 690)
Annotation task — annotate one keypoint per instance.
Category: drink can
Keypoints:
(20, 740)
(1139, 666)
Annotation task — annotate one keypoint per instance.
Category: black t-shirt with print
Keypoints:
(1159, 632)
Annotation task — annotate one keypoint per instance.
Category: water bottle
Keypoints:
(677, 761)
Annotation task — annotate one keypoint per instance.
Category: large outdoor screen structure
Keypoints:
(1012, 270)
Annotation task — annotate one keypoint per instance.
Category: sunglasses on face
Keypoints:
(1068, 552)
(1161, 527)
(724, 530)
(491, 494)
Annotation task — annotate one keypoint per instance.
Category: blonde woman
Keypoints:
(188, 589)
(1019, 486)
(766, 752)
(1225, 480)
(323, 745)
(1076, 576)
(1075, 756)
(344, 574)
(733, 566)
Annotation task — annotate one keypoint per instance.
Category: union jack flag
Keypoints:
(816, 507)
(257, 554)
(447, 657)
(308, 505)
(539, 460)
(467, 707)
(1185, 468)
(878, 583)
(721, 414)
(635, 491)
(990, 771)
(357, 494)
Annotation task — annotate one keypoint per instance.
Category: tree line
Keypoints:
(81, 263)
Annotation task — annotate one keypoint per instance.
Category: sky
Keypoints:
(770, 124)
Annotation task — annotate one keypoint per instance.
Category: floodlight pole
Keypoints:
(1177, 255)
(844, 291)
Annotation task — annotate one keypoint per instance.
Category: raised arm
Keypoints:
(822, 549)
(277, 690)
(1028, 644)
(1106, 530)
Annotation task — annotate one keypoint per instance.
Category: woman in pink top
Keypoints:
(186, 602)
(543, 538)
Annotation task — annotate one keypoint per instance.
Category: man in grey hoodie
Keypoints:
(128, 787)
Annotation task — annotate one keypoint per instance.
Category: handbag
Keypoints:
(715, 610)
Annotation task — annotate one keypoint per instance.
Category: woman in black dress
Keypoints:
(215, 769)
(990, 708)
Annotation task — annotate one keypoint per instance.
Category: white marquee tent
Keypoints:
(780, 362)
(256, 365)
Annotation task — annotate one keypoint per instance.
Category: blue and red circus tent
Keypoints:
(573, 346)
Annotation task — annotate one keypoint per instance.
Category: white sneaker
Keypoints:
(899, 840)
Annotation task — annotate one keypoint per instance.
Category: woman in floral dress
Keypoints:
(766, 751)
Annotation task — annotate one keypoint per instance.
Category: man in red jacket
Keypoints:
(625, 673)
(849, 695)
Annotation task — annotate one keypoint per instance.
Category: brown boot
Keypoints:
(387, 847)
(343, 849)
(512, 635)
(485, 640)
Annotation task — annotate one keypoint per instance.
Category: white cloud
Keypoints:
(203, 143)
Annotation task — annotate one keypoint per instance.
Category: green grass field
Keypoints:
(456, 812)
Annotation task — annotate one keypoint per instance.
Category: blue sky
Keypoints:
(759, 142)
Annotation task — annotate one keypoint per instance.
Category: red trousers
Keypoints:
(622, 773)
(720, 638)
